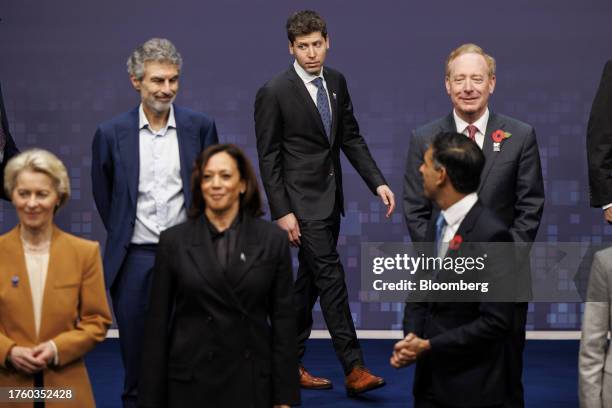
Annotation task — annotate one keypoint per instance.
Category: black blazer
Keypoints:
(299, 165)
(599, 142)
(511, 183)
(215, 338)
(10, 149)
(466, 366)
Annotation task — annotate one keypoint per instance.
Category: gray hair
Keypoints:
(41, 161)
(156, 49)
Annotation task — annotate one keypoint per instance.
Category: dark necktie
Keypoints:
(323, 105)
(472, 132)
(440, 224)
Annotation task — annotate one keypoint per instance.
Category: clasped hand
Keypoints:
(407, 350)
(31, 360)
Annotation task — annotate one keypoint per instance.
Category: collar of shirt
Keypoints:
(455, 214)
(143, 122)
(481, 123)
(215, 233)
(305, 76)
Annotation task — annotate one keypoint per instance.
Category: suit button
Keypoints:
(209, 319)
(247, 354)
(210, 355)
(331, 173)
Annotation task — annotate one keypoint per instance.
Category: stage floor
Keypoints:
(550, 375)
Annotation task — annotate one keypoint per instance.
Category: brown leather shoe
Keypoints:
(313, 383)
(361, 380)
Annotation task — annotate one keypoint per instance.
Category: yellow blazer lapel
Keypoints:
(18, 294)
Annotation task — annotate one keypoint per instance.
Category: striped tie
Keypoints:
(472, 132)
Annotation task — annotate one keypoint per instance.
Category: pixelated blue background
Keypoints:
(62, 67)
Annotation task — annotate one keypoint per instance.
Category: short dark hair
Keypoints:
(250, 201)
(303, 23)
(462, 159)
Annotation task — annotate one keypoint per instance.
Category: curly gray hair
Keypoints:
(156, 49)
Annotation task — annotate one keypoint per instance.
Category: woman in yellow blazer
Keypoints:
(53, 306)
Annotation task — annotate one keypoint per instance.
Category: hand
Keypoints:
(290, 224)
(406, 351)
(608, 215)
(387, 197)
(45, 353)
(23, 359)
(281, 406)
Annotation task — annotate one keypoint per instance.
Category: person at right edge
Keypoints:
(511, 183)
(303, 118)
(599, 146)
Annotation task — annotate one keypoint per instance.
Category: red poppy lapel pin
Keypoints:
(455, 243)
(498, 137)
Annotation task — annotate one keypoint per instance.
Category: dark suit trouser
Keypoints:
(515, 345)
(320, 275)
(130, 295)
(423, 402)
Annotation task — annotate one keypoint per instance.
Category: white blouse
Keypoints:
(37, 263)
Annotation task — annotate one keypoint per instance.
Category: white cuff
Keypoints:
(605, 207)
(55, 353)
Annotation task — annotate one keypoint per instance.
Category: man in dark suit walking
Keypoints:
(141, 168)
(599, 145)
(303, 118)
(458, 346)
(8, 149)
(511, 184)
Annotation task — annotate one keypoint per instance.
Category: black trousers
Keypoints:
(427, 402)
(320, 275)
(515, 345)
(39, 382)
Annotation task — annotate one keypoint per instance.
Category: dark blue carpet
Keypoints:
(550, 376)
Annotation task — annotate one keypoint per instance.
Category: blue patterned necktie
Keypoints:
(440, 224)
(323, 105)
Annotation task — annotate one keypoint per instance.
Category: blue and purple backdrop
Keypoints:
(62, 68)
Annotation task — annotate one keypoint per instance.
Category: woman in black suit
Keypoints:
(221, 325)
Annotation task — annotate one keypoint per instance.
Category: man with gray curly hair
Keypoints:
(141, 167)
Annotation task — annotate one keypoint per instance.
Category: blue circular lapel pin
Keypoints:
(15, 281)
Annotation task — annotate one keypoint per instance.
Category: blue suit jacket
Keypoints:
(115, 168)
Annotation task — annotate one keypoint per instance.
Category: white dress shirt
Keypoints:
(161, 203)
(454, 216)
(37, 265)
(481, 125)
(307, 78)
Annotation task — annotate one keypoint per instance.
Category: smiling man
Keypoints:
(141, 167)
(511, 183)
(303, 118)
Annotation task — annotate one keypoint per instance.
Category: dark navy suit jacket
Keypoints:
(466, 366)
(10, 149)
(115, 169)
(511, 184)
